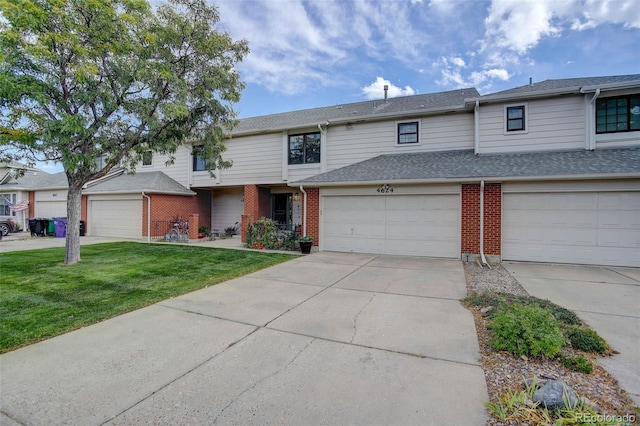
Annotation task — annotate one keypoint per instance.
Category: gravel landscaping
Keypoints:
(504, 372)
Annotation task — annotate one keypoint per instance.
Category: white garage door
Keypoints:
(115, 218)
(601, 228)
(416, 225)
(49, 208)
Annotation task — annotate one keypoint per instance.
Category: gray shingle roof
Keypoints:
(464, 165)
(354, 111)
(151, 182)
(38, 180)
(568, 84)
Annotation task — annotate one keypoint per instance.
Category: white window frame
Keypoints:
(12, 197)
(397, 135)
(506, 118)
(150, 162)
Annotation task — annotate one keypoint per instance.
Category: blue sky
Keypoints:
(306, 54)
(315, 53)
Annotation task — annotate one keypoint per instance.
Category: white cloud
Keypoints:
(519, 25)
(376, 90)
(453, 73)
(297, 45)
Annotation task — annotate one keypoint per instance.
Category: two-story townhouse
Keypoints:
(550, 172)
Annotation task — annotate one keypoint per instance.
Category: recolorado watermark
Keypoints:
(619, 419)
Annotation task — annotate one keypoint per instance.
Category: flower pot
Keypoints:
(305, 246)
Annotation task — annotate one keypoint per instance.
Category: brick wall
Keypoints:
(167, 207)
(257, 204)
(32, 204)
(84, 200)
(470, 223)
(492, 218)
(313, 214)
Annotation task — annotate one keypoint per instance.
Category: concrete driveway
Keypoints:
(605, 297)
(323, 339)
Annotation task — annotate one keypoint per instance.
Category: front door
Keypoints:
(282, 210)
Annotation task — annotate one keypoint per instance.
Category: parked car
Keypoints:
(8, 224)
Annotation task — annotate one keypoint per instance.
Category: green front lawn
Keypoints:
(40, 297)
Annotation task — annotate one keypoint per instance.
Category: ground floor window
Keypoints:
(6, 201)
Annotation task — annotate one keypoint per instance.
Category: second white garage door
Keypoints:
(115, 217)
(601, 228)
(415, 225)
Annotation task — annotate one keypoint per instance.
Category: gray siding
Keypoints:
(178, 171)
(367, 140)
(553, 124)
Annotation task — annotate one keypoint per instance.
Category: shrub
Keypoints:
(264, 234)
(525, 330)
(563, 315)
(261, 232)
(579, 364)
(586, 339)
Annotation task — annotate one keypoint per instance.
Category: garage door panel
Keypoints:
(619, 201)
(618, 238)
(589, 228)
(116, 218)
(419, 225)
(46, 208)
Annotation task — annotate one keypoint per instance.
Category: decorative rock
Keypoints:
(486, 310)
(554, 393)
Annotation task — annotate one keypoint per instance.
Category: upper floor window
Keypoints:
(516, 118)
(101, 161)
(408, 133)
(199, 163)
(304, 148)
(619, 114)
(147, 158)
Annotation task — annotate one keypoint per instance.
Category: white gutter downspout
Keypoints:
(148, 215)
(476, 128)
(591, 139)
(304, 212)
(482, 257)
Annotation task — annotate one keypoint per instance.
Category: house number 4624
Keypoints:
(384, 189)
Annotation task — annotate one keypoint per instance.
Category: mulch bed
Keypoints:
(504, 372)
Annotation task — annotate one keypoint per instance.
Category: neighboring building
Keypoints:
(555, 166)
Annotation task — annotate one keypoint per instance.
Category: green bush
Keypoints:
(260, 233)
(264, 234)
(563, 315)
(525, 330)
(585, 339)
(579, 364)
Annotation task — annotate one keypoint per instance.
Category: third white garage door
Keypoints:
(601, 228)
(415, 225)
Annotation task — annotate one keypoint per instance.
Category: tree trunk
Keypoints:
(72, 243)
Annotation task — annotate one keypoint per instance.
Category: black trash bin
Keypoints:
(32, 226)
(82, 228)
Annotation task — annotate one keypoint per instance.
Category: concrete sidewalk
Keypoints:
(607, 298)
(323, 339)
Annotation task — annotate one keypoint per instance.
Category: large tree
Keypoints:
(82, 79)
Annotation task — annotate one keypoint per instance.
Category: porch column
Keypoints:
(251, 208)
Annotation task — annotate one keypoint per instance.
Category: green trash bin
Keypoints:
(51, 228)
